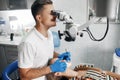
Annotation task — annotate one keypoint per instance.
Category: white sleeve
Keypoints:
(26, 55)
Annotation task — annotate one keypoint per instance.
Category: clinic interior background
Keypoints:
(83, 50)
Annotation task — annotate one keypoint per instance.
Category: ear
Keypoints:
(38, 17)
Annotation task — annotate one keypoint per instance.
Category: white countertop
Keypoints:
(6, 40)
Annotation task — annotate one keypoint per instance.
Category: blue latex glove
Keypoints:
(117, 51)
(58, 66)
(65, 56)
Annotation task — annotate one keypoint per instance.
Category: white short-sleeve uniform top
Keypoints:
(35, 50)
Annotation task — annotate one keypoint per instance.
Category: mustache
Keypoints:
(53, 19)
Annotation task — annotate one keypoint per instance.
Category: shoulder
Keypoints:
(30, 37)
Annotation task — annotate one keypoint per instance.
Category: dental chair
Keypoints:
(12, 68)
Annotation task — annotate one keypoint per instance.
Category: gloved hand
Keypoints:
(58, 66)
(65, 56)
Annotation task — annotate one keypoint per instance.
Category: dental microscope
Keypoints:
(71, 28)
(103, 8)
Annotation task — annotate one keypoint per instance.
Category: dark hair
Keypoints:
(38, 6)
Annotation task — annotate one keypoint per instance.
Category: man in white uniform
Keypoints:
(37, 47)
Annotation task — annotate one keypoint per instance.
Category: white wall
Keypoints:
(83, 50)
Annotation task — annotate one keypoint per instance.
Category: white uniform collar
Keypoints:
(41, 35)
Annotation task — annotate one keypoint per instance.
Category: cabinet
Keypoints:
(3, 61)
(103, 9)
(3, 5)
(11, 53)
(8, 53)
(15, 4)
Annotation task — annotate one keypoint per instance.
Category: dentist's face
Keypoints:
(46, 18)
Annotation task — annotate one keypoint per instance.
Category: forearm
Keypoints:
(34, 73)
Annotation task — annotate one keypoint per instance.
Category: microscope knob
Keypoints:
(60, 34)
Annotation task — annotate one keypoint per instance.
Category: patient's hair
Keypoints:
(38, 5)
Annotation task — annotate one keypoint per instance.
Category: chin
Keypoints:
(54, 24)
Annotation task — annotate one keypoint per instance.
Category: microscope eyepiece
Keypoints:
(55, 12)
